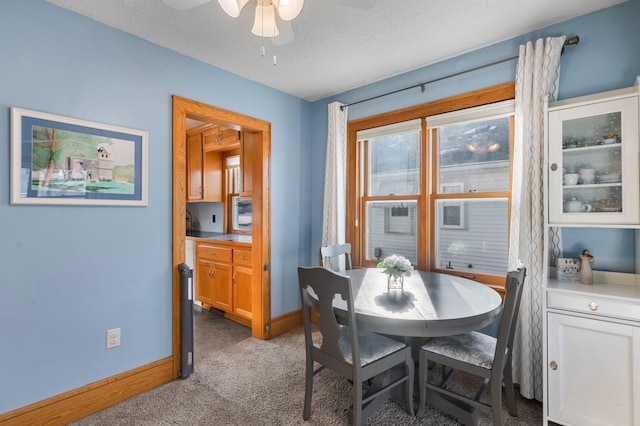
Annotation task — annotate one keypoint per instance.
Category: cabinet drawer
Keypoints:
(220, 254)
(595, 304)
(242, 257)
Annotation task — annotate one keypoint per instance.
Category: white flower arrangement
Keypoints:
(396, 266)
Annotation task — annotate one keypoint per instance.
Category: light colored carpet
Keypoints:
(239, 380)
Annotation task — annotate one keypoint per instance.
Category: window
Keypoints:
(432, 183)
(391, 186)
(473, 176)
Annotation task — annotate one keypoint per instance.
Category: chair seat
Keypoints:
(372, 346)
(471, 348)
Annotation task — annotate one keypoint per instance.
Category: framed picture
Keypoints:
(452, 213)
(62, 160)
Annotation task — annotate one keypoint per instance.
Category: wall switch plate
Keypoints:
(214, 218)
(113, 338)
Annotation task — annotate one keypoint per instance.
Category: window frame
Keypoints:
(356, 225)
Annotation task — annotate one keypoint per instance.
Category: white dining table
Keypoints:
(431, 304)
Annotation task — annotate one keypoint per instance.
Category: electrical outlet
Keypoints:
(113, 338)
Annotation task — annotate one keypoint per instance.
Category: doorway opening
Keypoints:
(257, 151)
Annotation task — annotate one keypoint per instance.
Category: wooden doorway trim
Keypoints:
(261, 236)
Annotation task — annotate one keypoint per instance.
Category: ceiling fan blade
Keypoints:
(184, 4)
(286, 32)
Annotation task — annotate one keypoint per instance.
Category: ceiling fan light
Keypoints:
(288, 9)
(264, 24)
(233, 7)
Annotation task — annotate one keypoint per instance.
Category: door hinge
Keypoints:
(266, 267)
(267, 327)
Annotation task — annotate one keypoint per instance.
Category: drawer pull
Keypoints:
(212, 253)
(553, 365)
(593, 306)
(244, 258)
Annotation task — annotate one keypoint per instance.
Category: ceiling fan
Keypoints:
(272, 17)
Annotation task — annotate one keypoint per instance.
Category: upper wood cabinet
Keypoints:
(249, 151)
(205, 165)
(194, 167)
(218, 138)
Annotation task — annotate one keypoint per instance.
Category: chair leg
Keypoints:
(422, 377)
(357, 404)
(409, 385)
(496, 401)
(308, 389)
(509, 391)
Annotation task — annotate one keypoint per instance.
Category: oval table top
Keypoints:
(432, 304)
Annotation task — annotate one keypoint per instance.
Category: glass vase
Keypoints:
(395, 283)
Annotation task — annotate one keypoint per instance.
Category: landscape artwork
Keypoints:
(60, 160)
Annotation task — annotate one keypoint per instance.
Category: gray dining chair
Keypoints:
(329, 256)
(356, 355)
(477, 354)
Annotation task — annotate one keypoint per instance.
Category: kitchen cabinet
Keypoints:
(593, 354)
(593, 159)
(194, 167)
(214, 275)
(248, 152)
(242, 279)
(204, 171)
(219, 138)
(225, 279)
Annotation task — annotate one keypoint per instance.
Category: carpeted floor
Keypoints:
(239, 380)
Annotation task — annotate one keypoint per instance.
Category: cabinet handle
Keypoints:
(553, 365)
(233, 278)
(212, 273)
(244, 258)
(593, 306)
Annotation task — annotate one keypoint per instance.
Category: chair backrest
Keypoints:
(325, 284)
(329, 256)
(510, 309)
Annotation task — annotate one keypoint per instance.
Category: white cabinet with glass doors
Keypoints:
(593, 159)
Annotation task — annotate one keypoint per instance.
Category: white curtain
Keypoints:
(537, 76)
(335, 209)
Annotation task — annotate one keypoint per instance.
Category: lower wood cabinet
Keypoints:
(592, 359)
(225, 279)
(242, 282)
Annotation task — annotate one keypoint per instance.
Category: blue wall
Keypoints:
(59, 295)
(71, 273)
(607, 58)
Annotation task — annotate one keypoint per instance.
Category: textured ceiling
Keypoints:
(336, 46)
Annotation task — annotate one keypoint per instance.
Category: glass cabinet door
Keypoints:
(593, 162)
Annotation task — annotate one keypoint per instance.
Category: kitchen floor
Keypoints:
(212, 331)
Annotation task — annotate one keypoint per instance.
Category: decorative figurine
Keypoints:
(586, 274)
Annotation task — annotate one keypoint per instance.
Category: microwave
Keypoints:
(241, 214)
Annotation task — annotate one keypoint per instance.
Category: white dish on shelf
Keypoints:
(610, 141)
(610, 178)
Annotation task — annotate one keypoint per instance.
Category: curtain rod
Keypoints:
(568, 42)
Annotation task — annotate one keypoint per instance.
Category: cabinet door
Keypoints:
(212, 176)
(593, 163)
(203, 291)
(592, 365)
(194, 167)
(242, 284)
(221, 138)
(222, 287)
(248, 147)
